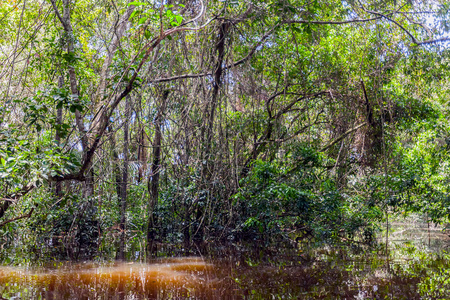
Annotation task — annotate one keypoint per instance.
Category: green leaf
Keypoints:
(3, 161)
(169, 14)
(135, 3)
(179, 19)
(142, 20)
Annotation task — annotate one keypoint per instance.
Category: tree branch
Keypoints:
(343, 136)
(250, 54)
(58, 14)
(330, 22)
(179, 77)
(259, 43)
(414, 40)
(107, 109)
(17, 218)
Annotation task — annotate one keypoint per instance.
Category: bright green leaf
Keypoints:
(135, 3)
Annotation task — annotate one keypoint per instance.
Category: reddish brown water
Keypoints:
(175, 278)
(250, 273)
(195, 278)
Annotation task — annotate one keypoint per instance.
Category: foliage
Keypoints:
(275, 198)
(133, 122)
(431, 269)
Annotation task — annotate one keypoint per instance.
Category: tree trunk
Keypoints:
(123, 186)
(208, 166)
(153, 182)
(59, 119)
(142, 154)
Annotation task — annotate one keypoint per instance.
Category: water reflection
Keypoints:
(416, 267)
(270, 277)
(179, 278)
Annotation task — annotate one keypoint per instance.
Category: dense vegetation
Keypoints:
(129, 123)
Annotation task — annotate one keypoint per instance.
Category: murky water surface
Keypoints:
(199, 278)
(248, 273)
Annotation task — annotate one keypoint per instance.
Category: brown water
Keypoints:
(252, 273)
(173, 279)
(197, 278)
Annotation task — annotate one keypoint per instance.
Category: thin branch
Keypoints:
(331, 22)
(9, 200)
(197, 17)
(254, 48)
(179, 77)
(118, 32)
(395, 22)
(414, 40)
(258, 44)
(434, 41)
(248, 56)
(58, 14)
(17, 218)
(343, 136)
(290, 105)
(418, 23)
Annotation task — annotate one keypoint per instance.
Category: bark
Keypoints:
(10, 199)
(67, 25)
(142, 154)
(261, 144)
(341, 137)
(117, 175)
(223, 30)
(153, 182)
(112, 48)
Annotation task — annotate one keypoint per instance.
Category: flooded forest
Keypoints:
(224, 149)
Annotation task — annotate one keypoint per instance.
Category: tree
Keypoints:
(212, 90)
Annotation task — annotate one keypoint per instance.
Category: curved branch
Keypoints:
(250, 54)
(258, 44)
(197, 17)
(395, 22)
(413, 38)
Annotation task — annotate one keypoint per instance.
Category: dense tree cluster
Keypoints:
(160, 121)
